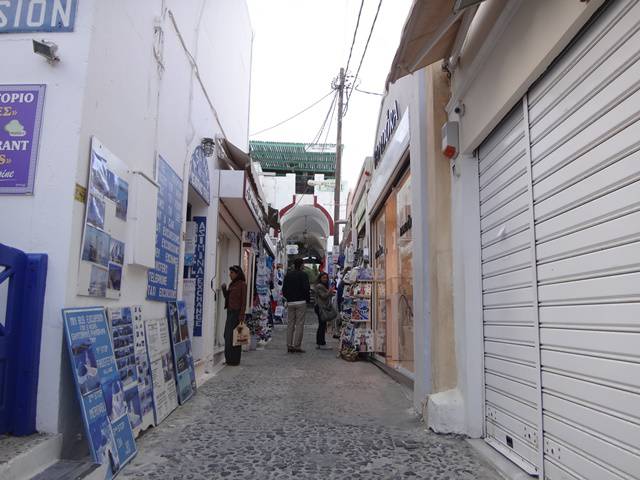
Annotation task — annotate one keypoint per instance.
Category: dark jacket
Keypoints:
(235, 297)
(295, 287)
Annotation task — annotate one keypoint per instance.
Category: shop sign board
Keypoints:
(199, 175)
(392, 119)
(162, 282)
(100, 391)
(198, 273)
(20, 121)
(20, 16)
(253, 203)
(182, 353)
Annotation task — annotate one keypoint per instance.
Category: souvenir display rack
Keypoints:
(356, 336)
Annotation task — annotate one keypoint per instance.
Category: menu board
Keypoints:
(162, 282)
(182, 354)
(100, 391)
(165, 396)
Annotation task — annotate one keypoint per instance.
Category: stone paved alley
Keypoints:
(304, 416)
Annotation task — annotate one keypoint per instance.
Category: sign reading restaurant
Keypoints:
(17, 16)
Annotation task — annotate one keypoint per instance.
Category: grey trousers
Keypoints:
(295, 327)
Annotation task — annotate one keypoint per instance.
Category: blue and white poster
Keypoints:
(143, 362)
(199, 176)
(182, 354)
(198, 273)
(100, 391)
(162, 282)
(165, 396)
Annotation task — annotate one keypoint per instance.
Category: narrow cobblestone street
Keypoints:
(306, 416)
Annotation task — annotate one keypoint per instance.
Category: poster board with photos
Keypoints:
(165, 395)
(182, 353)
(132, 360)
(143, 363)
(105, 227)
(100, 392)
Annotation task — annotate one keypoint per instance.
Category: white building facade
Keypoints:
(172, 82)
(544, 231)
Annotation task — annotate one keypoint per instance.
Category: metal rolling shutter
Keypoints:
(511, 355)
(565, 336)
(584, 117)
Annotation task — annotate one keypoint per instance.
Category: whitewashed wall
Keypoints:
(108, 85)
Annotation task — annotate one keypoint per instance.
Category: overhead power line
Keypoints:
(355, 33)
(364, 53)
(318, 135)
(369, 93)
(293, 116)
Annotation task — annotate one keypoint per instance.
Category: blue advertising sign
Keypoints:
(181, 345)
(101, 394)
(198, 273)
(199, 176)
(18, 16)
(162, 284)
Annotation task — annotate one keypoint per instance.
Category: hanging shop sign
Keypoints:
(105, 226)
(162, 282)
(100, 391)
(406, 226)
(393, 116)
(198, 273)
(165, 395)
(20, 121)
(182, 353)
(199, 176)
(253, 203)
(18, 16)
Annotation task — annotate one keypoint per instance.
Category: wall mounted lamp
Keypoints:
(48, 50)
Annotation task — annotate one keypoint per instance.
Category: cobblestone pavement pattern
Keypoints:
(302, 416)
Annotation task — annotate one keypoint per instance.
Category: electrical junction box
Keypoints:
(450, 139)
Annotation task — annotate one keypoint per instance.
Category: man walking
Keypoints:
(295, 290)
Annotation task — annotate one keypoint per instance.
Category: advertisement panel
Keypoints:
(182, 353)
(20, 122)
(162, 282)
(100, 392)
(21, 16)
(165, 396)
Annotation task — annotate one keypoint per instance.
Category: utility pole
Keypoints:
(336, 197)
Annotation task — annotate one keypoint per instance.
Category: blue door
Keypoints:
(22, 287)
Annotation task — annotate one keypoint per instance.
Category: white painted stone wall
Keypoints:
(109, 84)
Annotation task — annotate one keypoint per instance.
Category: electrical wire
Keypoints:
(318, 135)
(293, 116)
(364, 53)
(355, 33)
(368, 93)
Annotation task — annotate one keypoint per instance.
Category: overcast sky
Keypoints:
(299, 47)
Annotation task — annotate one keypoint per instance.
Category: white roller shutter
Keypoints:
(576, 316)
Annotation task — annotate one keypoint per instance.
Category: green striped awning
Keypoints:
(294, 157)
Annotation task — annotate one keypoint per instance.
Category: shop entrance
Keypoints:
(228, 254)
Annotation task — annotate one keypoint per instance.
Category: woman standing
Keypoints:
(235, 302)
(324, 308)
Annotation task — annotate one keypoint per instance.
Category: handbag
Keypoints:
(328, 313)
(241, 335)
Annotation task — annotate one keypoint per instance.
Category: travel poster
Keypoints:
(182, 353)
(103, 247)
(123, 340)
(145, 380)
(165, 395)
(100, 391)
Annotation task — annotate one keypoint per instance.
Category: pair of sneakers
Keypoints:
(323, 347)
(294, 350)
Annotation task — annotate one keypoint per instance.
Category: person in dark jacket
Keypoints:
(295, 289)
(235, 302)
(323, 302)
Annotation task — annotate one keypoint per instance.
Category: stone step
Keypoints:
(68, 470)
(23, 457)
